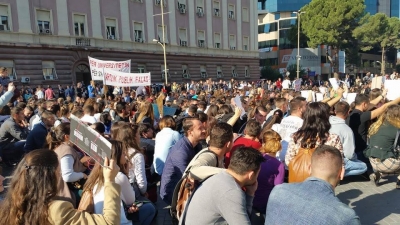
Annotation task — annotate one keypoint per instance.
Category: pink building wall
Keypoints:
(79, 7)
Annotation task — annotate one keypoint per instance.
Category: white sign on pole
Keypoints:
(120, 79)
(97, 67)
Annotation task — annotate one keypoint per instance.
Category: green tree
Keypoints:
(379, 30)
(293, 36)
(332, 22)
(292, 68)
(269, 73)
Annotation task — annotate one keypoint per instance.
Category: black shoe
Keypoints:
(375, 177)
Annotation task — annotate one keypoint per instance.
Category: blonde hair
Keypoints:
(391, 116)
(271, 142)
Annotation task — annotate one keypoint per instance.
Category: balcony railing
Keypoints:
(82, 42)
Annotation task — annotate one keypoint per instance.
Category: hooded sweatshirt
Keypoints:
(339, 127)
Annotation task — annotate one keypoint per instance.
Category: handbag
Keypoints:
(87, 204)
(299, 165)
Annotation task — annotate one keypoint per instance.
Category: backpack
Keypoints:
(299, 165)
(186, 187)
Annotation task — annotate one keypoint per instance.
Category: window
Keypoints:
(267, 44)
(182, 6)
(245, 43)
(182, 37)
(266, 28)
(231, 12)
(287, 23)
(43, 22)
(246, 71)
(245, 14)
(185, 71)
(9, 65)
(4, 23)
(111, 29)
(138, 29)
(159, 2)
(160, 33)
(232, 42)
(203, 71)
(277, 16)
(141, 68)
(219, 72)
(79, 25)
(217, 40)
(216, 9)
(201, 39)
(234, 74)
(49, 70)
(200, 8)
(163, 72)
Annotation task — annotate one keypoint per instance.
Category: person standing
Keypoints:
(61, 92)
(49, 93)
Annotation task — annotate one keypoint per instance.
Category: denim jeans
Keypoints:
(14, 151)
(354, 167)
(146, 214)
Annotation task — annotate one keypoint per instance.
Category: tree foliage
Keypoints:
(269, 73)
(379, 31)
(293, 36)
(292, 68)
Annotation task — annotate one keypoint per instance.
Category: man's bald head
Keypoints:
(326, 164)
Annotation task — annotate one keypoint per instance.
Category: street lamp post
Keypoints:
(382, 68)
(163, 42)
(298, 42)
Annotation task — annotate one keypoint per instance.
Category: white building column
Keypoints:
(62, 18)
(150, 21)
(171, 27)
(125, 28)
(191, 10)
(210, 31)
(239, 24)
(96, 20)
(225, 31)
(253, 42)
(24, 16)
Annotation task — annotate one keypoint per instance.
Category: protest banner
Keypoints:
(297, 85)
(351, 97)
(319, 97)
(168, 111)
(376, 82)
(393, 89)
(121, 79)
(89, 140)
(334, 83)
(97, 67)
(308, 95)
(238, 104)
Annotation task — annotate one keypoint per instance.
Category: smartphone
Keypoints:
(138, 204)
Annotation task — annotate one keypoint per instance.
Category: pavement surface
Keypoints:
(374, 205)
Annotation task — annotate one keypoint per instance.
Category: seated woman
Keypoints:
(383, 148)
(272, 170)
(72, 163)
(95, 184)
(32, 196)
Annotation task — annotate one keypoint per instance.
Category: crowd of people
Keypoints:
(250, 133)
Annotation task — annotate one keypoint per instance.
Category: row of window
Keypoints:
(274, 26)
(48, 70)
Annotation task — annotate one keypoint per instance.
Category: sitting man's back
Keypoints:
(312, 201)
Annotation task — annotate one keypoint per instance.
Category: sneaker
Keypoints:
(375, 177)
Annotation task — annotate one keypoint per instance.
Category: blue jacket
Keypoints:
(310, 202)
(69, 92)
(178, 159)
(36, 138)
(91, 91)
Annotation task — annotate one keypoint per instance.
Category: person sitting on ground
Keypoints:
(312, 201)
(352, 165)
(31, 198)
(221, 199)
(37, 137)
(383, 150)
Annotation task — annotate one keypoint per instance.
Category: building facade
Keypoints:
(275, 19)
(49, 41)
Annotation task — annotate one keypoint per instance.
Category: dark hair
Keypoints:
(296, 103)
(120, 106)
(56, 136)
(88, 109)
(274, 119)
(104, 118)
(245, 159)
(167, 121)
(202, 117)
(192, 109)
(342, 108)
(99, 127)
(144, 127)
(315, 126)
(220, 134)
(253, 128)
(212, 110)
(34, 185)
(5, 110)
(16, 110)
(334, 155)
(187, 124)
(225, 109)
(360, 99)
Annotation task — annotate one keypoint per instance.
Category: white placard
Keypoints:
(376, 82)
(297, 85)
(120, 79)
(305, 94)
(334, 83)
(98, 66)
(238, 103)
(351, 97)
(393, 87)
(319, 97)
